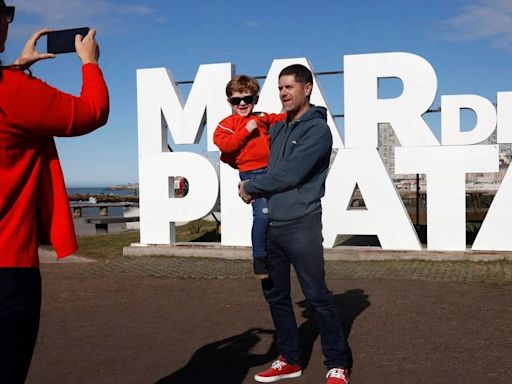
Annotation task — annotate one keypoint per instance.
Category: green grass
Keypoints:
(111, 245)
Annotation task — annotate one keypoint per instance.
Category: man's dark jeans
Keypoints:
(299, 243)
(259, 217)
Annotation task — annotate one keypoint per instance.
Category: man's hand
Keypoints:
(244, 195)
(29, 55)
(251, 125)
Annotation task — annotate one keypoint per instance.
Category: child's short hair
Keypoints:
(242, 83)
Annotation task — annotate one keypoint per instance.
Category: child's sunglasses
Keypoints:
(8, 11)
(237, 100)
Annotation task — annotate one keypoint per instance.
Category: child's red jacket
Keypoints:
(243, 150)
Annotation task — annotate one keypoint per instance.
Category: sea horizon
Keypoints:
(100, 190)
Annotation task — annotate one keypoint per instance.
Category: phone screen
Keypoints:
(63, 41)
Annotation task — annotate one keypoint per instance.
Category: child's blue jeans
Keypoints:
(259, 217)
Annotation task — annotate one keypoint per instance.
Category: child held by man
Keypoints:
(244, 143)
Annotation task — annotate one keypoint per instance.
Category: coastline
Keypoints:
(92, 195)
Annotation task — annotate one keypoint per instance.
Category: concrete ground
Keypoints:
(177, 320)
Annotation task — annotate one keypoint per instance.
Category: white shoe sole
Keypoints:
(261, 379)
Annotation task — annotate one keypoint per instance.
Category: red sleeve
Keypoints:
(273, 118)
(38, 109)
(228, 138)
(266, 120)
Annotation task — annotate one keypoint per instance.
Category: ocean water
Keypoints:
(101, 191)
(92, 212)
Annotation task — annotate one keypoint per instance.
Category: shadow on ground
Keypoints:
(229, 360)
(350, 305)
(226, 361)
(421, 231)
(211, 236)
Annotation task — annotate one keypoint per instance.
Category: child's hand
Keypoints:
(251, 125)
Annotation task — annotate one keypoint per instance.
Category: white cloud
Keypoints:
(484, 20)
(109, 17)
(72, 11)
(141, 10)
(252, 24)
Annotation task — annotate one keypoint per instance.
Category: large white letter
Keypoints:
(504, 103)
(494, 234)
(160, 105)
(159, 97)
(158, 207)
(385, 214)
(450, 119)
(446, 168)
(364, 110)
(236, 215)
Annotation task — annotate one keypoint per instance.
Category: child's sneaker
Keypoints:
(280, 369)
(259, 266)
(338, 376)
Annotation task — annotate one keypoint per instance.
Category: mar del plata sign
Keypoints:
(162, 111)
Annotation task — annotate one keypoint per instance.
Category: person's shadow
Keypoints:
(225, 361)
(349, 304)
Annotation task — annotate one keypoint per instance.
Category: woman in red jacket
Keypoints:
(33, 202)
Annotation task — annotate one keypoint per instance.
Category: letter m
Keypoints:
(161, 107)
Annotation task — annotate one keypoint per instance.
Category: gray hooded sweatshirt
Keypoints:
(299, 161)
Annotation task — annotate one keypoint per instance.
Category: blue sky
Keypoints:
(469, 44)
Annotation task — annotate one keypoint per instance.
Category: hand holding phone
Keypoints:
(64, 41)
(87, 47)
(30, 55)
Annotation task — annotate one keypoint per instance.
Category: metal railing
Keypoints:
(322, 73)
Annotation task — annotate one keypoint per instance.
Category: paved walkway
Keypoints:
(491, 272)
(176, 320)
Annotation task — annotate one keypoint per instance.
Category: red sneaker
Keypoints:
(338, 376)
(280, 369)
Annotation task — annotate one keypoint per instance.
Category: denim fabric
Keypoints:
(259, 217)
(299, 243)
(20, 305)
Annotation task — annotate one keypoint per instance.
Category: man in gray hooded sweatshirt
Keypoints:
(294, 184)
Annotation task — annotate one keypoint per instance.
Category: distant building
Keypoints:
(386, 147)
(387, 143)
(491, 181)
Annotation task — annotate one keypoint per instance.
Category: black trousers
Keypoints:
(20, 308)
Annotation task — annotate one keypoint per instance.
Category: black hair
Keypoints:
(302, 74)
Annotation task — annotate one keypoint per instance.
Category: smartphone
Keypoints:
(63, 41)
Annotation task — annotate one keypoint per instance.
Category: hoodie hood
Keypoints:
(314, 112)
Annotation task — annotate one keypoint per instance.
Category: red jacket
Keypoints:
(243, 150)
(34, 207)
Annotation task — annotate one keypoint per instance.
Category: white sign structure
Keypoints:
(162, 112)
